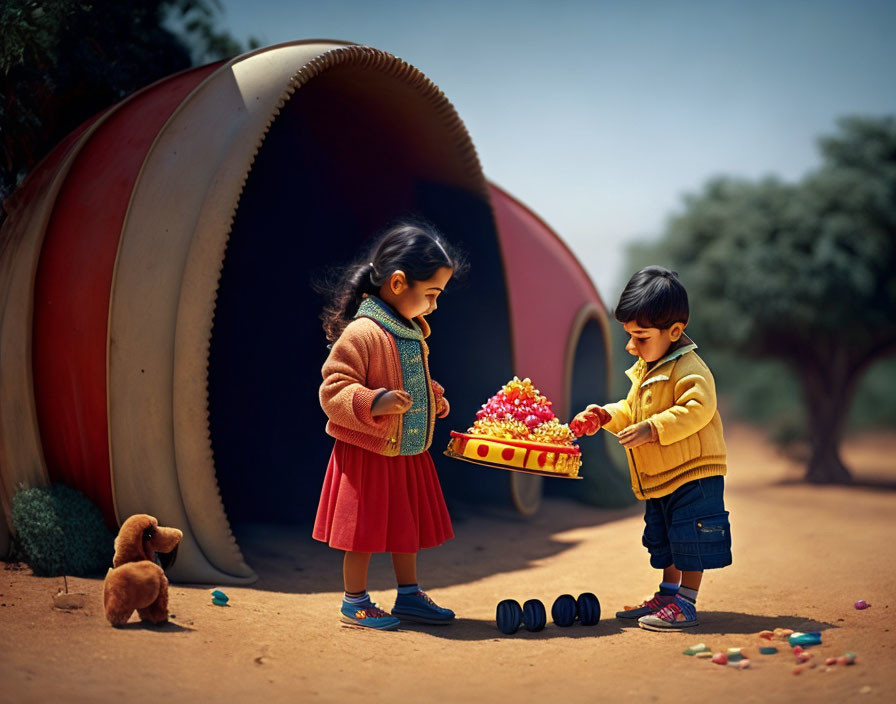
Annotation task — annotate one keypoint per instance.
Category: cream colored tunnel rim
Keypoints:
(172, 249)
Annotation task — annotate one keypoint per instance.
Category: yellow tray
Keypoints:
(555, 475)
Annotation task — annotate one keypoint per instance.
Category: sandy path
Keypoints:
(803, 555)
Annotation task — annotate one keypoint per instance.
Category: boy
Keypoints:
(672, 433)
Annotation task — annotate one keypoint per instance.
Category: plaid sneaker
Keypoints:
(645, 608)
(420, 608)
(368, 615)
(679, 613)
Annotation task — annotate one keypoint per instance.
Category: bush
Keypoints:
(59, 531)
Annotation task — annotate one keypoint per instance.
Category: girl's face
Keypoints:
(417, 298)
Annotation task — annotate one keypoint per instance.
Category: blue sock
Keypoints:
(689, 594)
(356, 599)
(668, 588)
(408, 589)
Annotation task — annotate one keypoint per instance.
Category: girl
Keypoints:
(381, 492)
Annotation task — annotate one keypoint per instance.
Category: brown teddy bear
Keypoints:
(137, 581)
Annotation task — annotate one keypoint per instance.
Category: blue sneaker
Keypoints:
(368, 615)
(420, 608)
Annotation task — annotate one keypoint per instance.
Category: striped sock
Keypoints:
(408, 588)
(668, 589)
(688, 593)
(356, 598)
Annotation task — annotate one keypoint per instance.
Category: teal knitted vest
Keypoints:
(410, 352)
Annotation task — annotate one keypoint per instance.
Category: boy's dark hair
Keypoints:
(414, 246)
(654, 298)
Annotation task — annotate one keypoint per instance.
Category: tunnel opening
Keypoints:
(350, 152)
(605, 483)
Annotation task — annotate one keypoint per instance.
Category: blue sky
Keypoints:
(601, 115)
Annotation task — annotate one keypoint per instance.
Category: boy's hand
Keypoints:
(638, 434)
(391, 402)
(589, 421)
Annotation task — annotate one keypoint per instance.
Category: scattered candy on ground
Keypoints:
(734, 655)
(797, 638)
(695, 649)
(743, 664)
(219, 598)
(720, 659)
(705, 655)
(768, 650)
(767, 635)
(862, 604)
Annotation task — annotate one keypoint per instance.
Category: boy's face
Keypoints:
(651, 344)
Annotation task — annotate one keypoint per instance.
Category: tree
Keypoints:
(801, 272)
(62, 61)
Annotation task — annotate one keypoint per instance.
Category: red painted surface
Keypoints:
(547, 287)
(73, 282)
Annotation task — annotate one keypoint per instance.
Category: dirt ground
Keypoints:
(802, 556)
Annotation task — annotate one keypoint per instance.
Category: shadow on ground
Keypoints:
(488, 541)
(733, 623)
(465, 629)
(711, 623)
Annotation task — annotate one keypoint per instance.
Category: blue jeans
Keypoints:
(689, 528)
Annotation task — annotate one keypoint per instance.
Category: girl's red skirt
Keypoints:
(373, 503)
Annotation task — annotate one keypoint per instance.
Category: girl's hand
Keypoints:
(638, 434)
(442, 407)
(391, 403)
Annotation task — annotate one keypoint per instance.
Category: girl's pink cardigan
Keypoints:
(363, 363)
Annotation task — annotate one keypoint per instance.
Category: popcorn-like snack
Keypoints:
(517, 428)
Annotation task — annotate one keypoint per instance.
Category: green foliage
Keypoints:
(63, 61)
(59, 531)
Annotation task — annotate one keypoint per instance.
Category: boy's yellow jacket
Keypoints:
(678, 397)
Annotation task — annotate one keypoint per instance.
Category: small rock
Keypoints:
(865, 690)
(70, 600)
(720, 659)
(798, 669)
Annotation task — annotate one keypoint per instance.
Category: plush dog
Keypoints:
(137, 581)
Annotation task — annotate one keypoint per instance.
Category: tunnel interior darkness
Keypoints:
(350, 152)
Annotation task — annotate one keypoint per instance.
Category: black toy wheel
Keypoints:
(588, 609)
(563, 612)
(508, 616)
(534, 615)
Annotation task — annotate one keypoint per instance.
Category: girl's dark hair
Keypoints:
(414, 246)
(654, 298)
